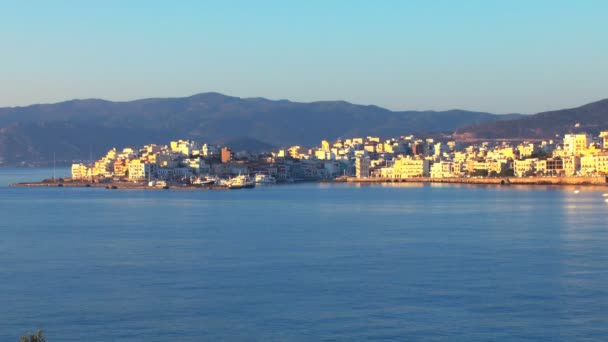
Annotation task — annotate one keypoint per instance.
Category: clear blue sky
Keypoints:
(499, 56)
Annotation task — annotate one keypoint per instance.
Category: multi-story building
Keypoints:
(120, 167)
(572, 165)
(226, 155)
(139, 170)
(594, 164)
(526, 150)
(442, 169)
(525, 167)
(555, 166)
(362, 164)
(576, 144)
(185, 147)
(406, 167)
(604, 136)
(81, 172)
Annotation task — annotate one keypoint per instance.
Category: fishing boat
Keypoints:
(262, 178)
(241, 182)
(205, 181)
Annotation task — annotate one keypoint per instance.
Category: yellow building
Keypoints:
(296, 152)
(526, 150)
(525, 167)
(594, 164)
(604, 136)
(388, 147)
(576, 144)
(325, 146)
(406, 167)
(80, 172)
(592, 150)
(120, 168)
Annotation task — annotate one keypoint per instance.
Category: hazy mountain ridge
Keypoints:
(72, 129)
(591, 118)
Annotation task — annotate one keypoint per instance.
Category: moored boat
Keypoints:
(262, 178)
(241, 182)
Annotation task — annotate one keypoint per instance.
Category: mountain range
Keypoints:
(590, 118)
(75, 129)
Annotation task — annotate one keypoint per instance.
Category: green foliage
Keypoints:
(30, 337)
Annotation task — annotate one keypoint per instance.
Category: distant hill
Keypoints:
(74, 129)
(591, 118)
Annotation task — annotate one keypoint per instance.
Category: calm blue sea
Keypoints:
(303, 262)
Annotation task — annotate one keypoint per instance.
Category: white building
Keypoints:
(443, 169)
(139, 170)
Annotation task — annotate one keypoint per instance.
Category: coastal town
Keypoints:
(406, 158)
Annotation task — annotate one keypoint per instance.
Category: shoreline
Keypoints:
(579, 181)
(500, 181)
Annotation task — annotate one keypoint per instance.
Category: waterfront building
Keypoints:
(442, 169)
(406, 167)
(594, 164)
(168, 173)
(81, 172)
(572, 165)
(525, 167)
(554, 166)
(362, 164)
(139, 170)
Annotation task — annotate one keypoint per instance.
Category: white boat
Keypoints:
(205, 180)
(157, 184)
(241, 182)
(261, 178)
(223, 182)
